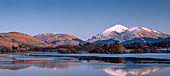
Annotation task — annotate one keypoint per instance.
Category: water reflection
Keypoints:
(124, 71)
(116, 66)
(12, 63)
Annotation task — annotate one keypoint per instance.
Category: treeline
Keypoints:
(164, 44)
(85, 48)
(5, 49)
(147, 44)
(111, 48)
(141, 47)
(19, 48)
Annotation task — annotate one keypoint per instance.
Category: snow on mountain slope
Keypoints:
(117, 28)
(122, 33)
(139, 32)
(110, 33)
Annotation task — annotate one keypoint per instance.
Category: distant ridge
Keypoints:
(59, 39)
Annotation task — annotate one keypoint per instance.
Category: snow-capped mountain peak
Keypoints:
(117, 28)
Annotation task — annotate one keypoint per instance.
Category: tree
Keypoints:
(80, 44)
(119, 48)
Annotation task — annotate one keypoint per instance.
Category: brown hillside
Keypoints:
(59, 39)
(15, 38)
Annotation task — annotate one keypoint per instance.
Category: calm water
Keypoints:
(51, 64)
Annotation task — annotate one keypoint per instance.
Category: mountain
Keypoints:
(139, 32)
(59, 39)
(16, 38)
(110, 33)
(122, 34)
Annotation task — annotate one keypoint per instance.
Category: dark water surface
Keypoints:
(52, 64)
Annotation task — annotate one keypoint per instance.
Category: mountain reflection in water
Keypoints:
(116, 66)
(116, 71)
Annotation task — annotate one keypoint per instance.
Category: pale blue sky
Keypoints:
(82, 18)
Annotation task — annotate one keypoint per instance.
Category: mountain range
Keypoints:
(117, 33)
(122, 34)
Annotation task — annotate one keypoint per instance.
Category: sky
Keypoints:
(82, 18)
